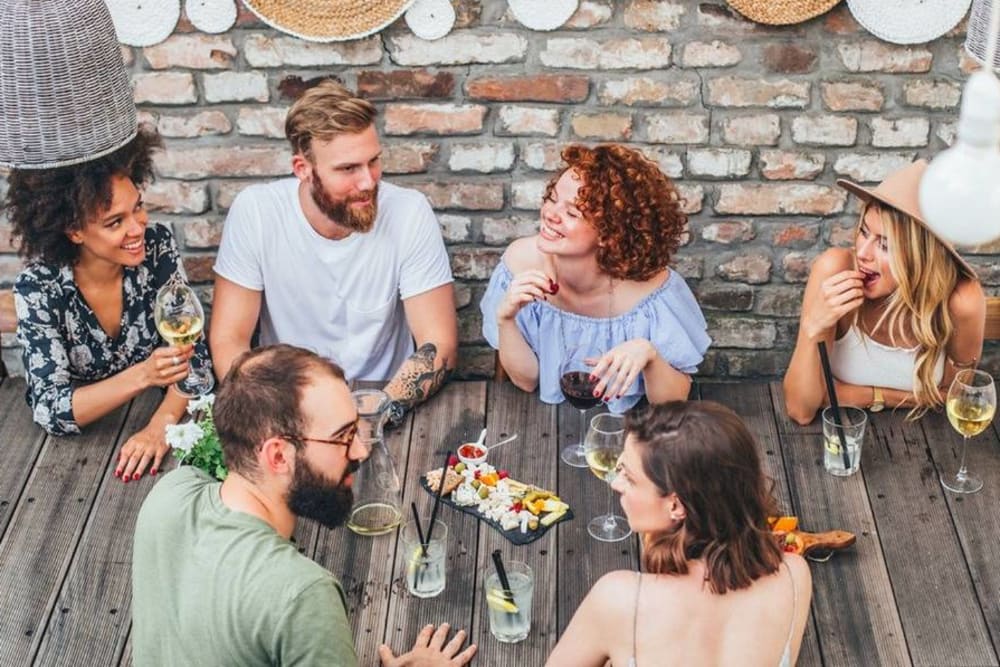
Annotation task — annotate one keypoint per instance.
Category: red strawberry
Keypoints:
(453, 460)
(503, 474)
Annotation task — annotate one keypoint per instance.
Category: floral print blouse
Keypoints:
(62, 342)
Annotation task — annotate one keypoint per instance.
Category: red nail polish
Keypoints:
(125, 479)
(135, 476)
(153, 472)
(554, 287)
(117, 473)
(597, 394)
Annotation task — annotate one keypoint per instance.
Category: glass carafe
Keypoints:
(377, 496)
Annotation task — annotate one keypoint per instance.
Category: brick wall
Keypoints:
(754, 123)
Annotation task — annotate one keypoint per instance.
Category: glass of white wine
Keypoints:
(180, 319)
(604, 445)
(972, 401)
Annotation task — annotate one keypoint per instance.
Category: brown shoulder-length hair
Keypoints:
(635, 208)
(260, 398)
(703, 452)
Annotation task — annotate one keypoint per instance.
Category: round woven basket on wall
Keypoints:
(65, 96)
(978, 36)
(327, 21)
(781, 12)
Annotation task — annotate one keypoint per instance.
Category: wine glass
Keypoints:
(578, 388)
(972, 400)
(180, 319)
(604, 444)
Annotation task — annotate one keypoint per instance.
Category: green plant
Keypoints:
(196, 442)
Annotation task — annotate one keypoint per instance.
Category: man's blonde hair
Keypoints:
(324, 112)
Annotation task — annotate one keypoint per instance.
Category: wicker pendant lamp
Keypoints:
(65, 96)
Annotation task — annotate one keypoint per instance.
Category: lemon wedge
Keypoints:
(414, 560)
(496, 600)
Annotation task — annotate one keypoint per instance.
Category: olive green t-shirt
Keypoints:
(211, 586)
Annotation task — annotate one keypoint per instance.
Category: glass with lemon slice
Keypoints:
(510, 610)
(424, 569)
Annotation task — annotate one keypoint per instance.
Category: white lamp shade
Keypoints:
(960, 191)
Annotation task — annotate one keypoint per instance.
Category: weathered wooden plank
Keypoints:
(976, 518)
(364, 564)
(853, 605)
(92, 615)
(934, 593)
(456, 415)
(45, 528)
(532, 458)
(752, 402)
(20, 443)
(588, 496)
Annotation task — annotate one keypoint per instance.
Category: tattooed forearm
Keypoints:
(417, 379)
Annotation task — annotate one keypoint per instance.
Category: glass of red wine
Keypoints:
(578, 389)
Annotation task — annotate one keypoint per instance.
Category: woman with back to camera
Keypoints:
(85, 299)
(715, 587)
(597, 273)
(900, 312)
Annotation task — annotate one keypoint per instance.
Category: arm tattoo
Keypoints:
(417, 379)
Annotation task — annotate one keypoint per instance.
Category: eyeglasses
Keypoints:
(346, 439)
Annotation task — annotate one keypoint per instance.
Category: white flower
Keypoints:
(200, 403)
(184, 436)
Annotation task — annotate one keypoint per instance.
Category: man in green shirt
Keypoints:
(215, 579)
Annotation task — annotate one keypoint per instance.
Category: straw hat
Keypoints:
(978, 36)
(908, 21)
(65, 96)
(326, 20)
(782, 12)
(899, 190)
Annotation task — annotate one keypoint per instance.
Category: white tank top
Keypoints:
(857, 359)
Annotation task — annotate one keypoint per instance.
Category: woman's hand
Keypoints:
(619, 367)
(166, 365)
(840, 294)
(526, 287)
(147, 446)
(430, 650)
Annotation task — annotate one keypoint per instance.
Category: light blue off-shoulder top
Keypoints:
(669, 317)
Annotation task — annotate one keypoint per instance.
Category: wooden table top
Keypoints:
(920, 587)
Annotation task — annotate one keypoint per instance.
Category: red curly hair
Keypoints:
(635, 208)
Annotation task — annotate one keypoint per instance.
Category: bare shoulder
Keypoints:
(614, 593)
(831, 261)
(967, 301)
(799, 568)
(523, 255)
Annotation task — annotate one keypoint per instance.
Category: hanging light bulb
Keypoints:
(960, 191)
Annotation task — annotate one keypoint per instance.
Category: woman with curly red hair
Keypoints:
(715, 588)
(596, 273)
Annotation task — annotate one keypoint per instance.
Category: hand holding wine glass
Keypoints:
(971, 404)
(577, 385)
(180, 319)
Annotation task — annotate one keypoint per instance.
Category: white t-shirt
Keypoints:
(341, 299)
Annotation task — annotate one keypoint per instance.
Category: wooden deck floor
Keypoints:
(921, 586)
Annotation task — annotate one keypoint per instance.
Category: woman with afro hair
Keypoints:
(597, 273)
(85, 298)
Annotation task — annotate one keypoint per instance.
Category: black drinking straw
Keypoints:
(437, 498)
(508, 594)
(832, 392)
(420, 530)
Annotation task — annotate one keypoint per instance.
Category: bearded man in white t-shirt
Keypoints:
(338, 261)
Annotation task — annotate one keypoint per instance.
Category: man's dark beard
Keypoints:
(312, 496)
(341, 212)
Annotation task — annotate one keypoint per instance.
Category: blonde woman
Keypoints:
(900, 312)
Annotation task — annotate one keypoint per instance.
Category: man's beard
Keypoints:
(341, 212)
(313, 496)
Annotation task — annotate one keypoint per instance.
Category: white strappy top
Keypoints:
(786, 655)
(858, 359)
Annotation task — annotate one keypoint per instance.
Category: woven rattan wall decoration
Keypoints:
(326, 21)
(144, 22)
